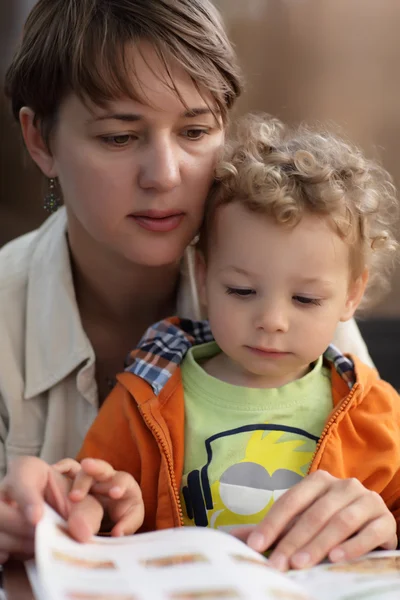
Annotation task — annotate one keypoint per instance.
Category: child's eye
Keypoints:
(240, 292)
(307, 300)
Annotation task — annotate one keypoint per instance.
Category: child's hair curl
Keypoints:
(285, 173)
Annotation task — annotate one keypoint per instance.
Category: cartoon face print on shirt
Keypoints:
(223, 494)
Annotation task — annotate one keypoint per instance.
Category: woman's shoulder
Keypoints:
(15, 259)
(18, 255)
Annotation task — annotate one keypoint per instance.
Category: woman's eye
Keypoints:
(117, 140)
(307, 300)
(195, 134)
(241, 292)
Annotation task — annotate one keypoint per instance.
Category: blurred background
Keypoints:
(315, 60)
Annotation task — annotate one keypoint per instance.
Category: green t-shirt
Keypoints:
(244, 447)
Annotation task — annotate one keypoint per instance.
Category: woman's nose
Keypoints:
(160, 168)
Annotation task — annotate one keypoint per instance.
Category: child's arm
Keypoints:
(117, 491)
(323, 516)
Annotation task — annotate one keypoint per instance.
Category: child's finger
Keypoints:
(85, 518)
(99, 470)
(115, 487)
(127, 512)
(68, 467)
(130, 522)
(92, 471)
(81, 486)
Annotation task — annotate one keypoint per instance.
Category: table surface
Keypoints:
(15, 582)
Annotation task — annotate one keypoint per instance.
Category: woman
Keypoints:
(122, 105)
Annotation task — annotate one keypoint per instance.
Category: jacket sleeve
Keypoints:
(384, 443)
(349, 341)
(110, 437)
(391, 494)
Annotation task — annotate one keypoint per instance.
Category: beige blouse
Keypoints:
(48, 393)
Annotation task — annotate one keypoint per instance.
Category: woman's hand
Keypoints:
(323, 516)
(29, 483)
(117, 491)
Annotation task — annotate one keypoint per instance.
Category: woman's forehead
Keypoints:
(151, 86)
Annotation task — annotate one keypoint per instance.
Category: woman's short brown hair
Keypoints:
(285, 172)
(79, 46)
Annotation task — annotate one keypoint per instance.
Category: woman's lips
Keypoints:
(158, 222)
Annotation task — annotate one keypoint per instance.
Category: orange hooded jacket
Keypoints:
(140, 427)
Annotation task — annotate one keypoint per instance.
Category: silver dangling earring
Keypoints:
(195, 240)
(52, 200)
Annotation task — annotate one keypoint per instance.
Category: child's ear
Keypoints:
(355, 295)
(201, 270)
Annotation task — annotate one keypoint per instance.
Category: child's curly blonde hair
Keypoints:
(285, 173)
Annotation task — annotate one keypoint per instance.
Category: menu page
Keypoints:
(373, 577)
(176, 564)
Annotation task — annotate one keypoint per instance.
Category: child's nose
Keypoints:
(272, 318)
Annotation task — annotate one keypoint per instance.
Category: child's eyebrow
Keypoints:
(318, 280)
(237, 270)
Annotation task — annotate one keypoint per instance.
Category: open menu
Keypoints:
(192, 564)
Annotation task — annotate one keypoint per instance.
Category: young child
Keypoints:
(216, 420)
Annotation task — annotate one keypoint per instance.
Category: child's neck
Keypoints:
(223, 368)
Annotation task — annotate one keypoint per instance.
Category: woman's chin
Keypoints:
(156, 257)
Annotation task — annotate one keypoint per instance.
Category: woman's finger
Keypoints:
(289, 506)
(242, 533)
(343, 524)
(379, 533)
(17, 545)
(13, 522)
(24, 484)
(328, 521)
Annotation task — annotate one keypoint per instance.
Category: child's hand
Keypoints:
(323, 516)
(118, 492)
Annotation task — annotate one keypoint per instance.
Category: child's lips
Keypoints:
(267, 352)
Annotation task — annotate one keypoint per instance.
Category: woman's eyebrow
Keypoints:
(195, 112)
(133, 117)
(126, 117)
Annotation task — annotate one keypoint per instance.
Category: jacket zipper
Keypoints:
(339, 409)
(163, 445)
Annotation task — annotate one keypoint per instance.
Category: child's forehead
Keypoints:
(255, 242)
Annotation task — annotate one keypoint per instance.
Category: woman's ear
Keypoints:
(201, 272)
(35, 143)
(355, 295)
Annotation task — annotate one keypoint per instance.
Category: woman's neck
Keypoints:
(117, 302)
(114, 291)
